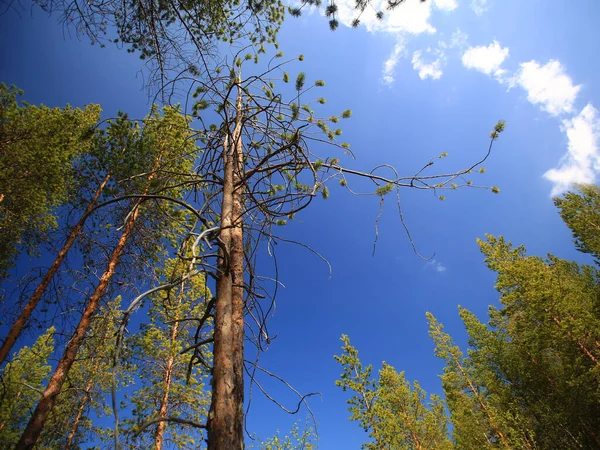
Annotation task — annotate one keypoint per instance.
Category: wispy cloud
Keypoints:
(410, 18)
(388, 72)
(479, 6)
(548, 86)
(486, 60)
(436, 265)
(427, 67)
(581, 163)
(459, 39)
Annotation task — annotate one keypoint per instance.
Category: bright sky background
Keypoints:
(429, 78)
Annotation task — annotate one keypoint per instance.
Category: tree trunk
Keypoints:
(27, 311)
(164, 401)
(80, 410)
(225, 419)
(44, 407)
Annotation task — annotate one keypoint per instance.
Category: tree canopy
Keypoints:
(529, 378)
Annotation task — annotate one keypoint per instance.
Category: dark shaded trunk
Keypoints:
(27, 311)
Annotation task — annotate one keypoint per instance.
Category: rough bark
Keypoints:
(27, 311)
(225, 419)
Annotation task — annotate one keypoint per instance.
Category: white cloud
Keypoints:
(581, 163)
(437, 266)
(446, 5)
(431, 69)
(389, 67)
(479, 6)
(549, 86)
(411, 16)
(458, 40)
(486, 59)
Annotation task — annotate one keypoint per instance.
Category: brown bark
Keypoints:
(225, 419)
(27, 311)
(44, 407)
(80, 410)
(164, 401)
(582, 347)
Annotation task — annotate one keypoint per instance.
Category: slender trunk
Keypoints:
(27, 311)
(44, 407)
(225, 419)
(483, 406)
(86, 398)
(164, 401)
(582, 347)
(46, 403)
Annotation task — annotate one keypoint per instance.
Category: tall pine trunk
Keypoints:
(46, 403)
(27, 311)
(225, 419)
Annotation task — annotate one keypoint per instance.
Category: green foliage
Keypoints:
(498, 129)
(396, 414)
(294, 440)
(37, 148)
(385, 189)
(21, 382)
(300, 79)
(580, 211)
(530, 376)
(89, 385)
(347, 114)
(530, 379)
(158, 349)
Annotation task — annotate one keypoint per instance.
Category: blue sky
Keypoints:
(429, 78)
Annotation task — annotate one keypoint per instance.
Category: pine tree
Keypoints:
(169, 389)
(37, 148)
(396, 414)
(90, 381)
(21, 382)
(166, 145)
(580, 211)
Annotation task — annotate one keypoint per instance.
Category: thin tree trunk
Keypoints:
(27, 311)
(483, 406)
(46, 403)
(80, 410)
(225, 419)
(164, 401)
